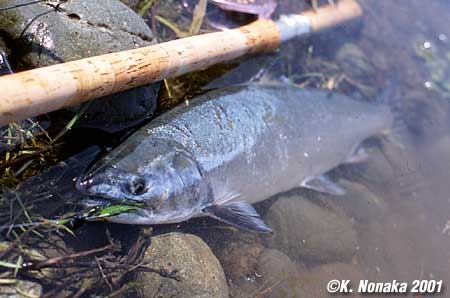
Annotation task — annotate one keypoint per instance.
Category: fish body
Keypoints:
(231, 148)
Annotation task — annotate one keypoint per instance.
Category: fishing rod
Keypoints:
(34, 92)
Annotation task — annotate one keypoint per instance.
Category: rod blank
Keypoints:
(42, 90)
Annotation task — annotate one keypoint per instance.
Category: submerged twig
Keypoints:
(105, 278)
(179, 33)
(7, 281)
(53, 261)
(147, 5)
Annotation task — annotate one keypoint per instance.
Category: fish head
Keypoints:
(167, 185)
(118, 184)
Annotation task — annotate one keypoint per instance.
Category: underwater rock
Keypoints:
(360, 203)
(275, 275)
(44, 34)
(21, 289)
(280, 275)
(238, 255)
(193, 270)
(308, 232)
(377, 171)
(314, 281)
(52, 34)
(251, 269)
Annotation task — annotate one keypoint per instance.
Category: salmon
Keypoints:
(231, 148)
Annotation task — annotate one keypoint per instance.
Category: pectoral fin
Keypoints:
(323, 184)
(239, 214)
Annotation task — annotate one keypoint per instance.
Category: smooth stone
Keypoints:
(359, 203)
(307, 232)
(315, 280)
(50, 35)
(42, 34)
(281, 275)
(238, 253)
(377, 171)
(276, 276)
(197, 271)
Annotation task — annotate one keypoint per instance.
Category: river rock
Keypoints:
(276, 276)
(309, 233)
(44, 34)
(359, 202)
(21, 289)
(315, 281)
(237, 251)
(196, 272)
(377, 171)
(280, 274)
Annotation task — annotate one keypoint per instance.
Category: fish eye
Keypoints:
(137, 186)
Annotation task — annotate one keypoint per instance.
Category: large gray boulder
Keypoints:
(44, 34)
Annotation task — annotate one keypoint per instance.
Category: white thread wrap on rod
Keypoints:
(293, 25)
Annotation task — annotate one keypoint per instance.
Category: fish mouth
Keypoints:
(83, 185)
(92, 202)
(95, 201)
(103, 185)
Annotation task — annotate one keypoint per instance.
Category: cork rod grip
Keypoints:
(34, 92)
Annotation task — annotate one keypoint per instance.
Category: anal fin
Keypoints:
(323, 184)
(239, 214)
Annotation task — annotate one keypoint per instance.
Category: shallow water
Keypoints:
(394, 223)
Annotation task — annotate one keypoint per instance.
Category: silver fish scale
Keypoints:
(201, 129)
(259, 140)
